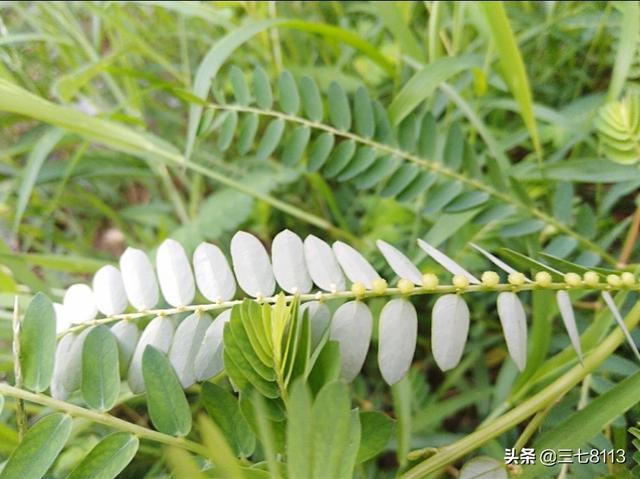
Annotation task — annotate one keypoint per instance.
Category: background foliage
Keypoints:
(512, 126)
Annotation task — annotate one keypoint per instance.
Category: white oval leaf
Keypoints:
(611, 304)
(78, 304)
(185, 346)
(213, 273)
(495, 260)
(483, 467)
(251, 265)
(159, 334)
(209, 361)
(397, 335)
(319, 319)
(400, 264)
(67, 369)
(446, 262)
(449, 330)
(514, 326)
(569, 320)
(174, 273)
(322, 264)
(289, 267)
(139, 279)
(61, 320)
(357, 269)
(351, 326)
(108, 290)
(127, 335)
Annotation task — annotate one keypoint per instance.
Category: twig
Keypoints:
(630, 240)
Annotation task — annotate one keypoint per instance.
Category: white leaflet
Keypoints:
(127, 335)
(497, 261)
(213, 273)
(108, 291)
(289, 267)
(139, 279)
(514, 326)
(251, 265)
(357, 269)
(449, 330)
(319, 319)
(351, 326)
(61, 367)
(185, 346)
(569, 320)
(611, 304)
(397, 335)
(158, 333)
(400, 264)
(174, 273)
(322, 264)
(61, 320)
(78, 304)
(210, 361)
(446, 262)
(483, 467)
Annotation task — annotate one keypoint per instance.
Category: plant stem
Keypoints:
(21, 413)
(537, 402)
(631, 238)
(103, 418)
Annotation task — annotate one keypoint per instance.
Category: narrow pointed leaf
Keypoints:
(400, 264)
(213, 275)
(319, 319)
(288, 92)
(100, 369)
(79, 305)
(569, 320)
(323, 265)
(446, 262)
(168, 407)
(159, 334)
(289, 266)
(357, 269)
(449, 330)
(108, 458)
(174, 274)
(185, 346)
(495, 260)
(139, 279)
(39, 448)
(209, 360)
(351, 326)
(397, 333)
(514, 327)
(127, 335)
(38, 343)
(611, 304)
(251, 265)
(108, 291)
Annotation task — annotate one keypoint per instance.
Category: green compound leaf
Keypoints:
(38, 343)
(100, 369)
(39, 448)
(168, 406)
(108, 458)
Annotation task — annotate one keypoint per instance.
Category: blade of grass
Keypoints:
(630, 14)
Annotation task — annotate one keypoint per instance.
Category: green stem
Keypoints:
(536, 403)
(103, 418)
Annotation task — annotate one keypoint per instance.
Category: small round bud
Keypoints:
(614, 280)
(358, 289)
(516, 279)
(379, 286)
(591, 278)
(543, 279)
(572, 279)
(405, 286)
(460, 281)
(628, 279)
(490, 279)
(429, 280)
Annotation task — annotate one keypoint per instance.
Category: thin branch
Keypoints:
(630, 240)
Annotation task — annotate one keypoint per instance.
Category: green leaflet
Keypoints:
(382, 167)
(288, 93)
(38, 343)
(295, 146)
(227, 130)
(428, 137)
(363, 159)
(377, 429)
(454, 147)
(311, 99)
(270, 139)
(299, 432)
(219, 451)
(402, 177)
(224, 410)
(320, 150)
(262, 88)
(239, 84)
(108, 458)
(339, 158)
(168, 406)
(39, 448)
(247, 134)
(419, 185)
(339, 111)
(363, 113)
(100, 369)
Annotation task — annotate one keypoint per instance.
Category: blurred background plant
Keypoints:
(512, 126)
